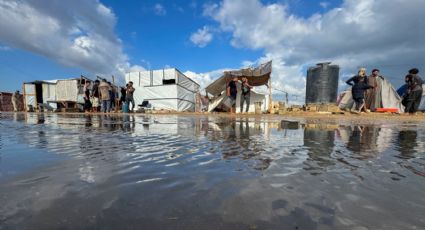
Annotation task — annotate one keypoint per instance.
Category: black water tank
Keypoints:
(322, 84)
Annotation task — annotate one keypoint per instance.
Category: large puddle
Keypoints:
(200, 172)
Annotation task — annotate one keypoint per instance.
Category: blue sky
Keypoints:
(150, 38)
(60, 39)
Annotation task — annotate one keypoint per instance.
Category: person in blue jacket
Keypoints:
(359, 85)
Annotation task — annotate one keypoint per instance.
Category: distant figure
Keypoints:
(414, 91)
(95, 96)
(112, 95)
(130, 95)
(15, 101)
(123, 95)
(87, 103)
(245, 96)
(359, 85)
(105, 96)
(232, 92)
(373, 98)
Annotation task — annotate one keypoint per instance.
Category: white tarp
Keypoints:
(149, 86)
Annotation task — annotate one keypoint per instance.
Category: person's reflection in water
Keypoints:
(407, 143)
(320, 143)
(128, 122)
(363, 141)
(40, 118)
(88, 122)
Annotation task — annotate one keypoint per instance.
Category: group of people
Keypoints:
(103, 97)
(232, 91)
(366, 91)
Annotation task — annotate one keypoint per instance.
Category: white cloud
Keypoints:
(372, 33)
(202, 37)
(159, 9)
(324, 5)
(77, 33)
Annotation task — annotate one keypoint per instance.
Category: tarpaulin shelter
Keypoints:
(165, 89)
(258, 76)
(390, 98)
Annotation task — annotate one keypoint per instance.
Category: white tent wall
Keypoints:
(67, 90)
(149, 86)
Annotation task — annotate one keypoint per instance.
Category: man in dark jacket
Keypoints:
(414, 91)
(232, 92)
(359, 85)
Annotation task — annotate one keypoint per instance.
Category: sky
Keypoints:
(51, 39)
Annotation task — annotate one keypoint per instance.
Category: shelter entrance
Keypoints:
(39, 92)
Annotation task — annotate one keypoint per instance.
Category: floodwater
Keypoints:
(199, 172)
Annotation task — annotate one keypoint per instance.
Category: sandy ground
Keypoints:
(308, 117)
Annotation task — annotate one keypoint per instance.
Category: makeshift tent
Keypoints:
(256, 77)
(53, 91)
(255, 98)
(167, 89)
(38, 92)
(390, 98)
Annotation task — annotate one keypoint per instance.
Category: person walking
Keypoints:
(245, 95)
(87, 103)
(359, 84)
(105, 96)
(414, 91)
(130, 95)
(232, 92)
(15, 101)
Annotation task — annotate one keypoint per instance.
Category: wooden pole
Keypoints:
(270, 87)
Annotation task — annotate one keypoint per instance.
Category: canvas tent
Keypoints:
(167, 89)
(256, 77)
(390, 98)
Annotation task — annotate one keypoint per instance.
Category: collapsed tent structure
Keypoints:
(258, 76)
(54, 93)
(390, 98)
(166, 89)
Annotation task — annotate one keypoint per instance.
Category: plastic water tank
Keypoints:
(322, 84)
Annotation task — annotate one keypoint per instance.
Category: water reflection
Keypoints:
(204, 171)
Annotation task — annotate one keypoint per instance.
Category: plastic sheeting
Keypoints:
(256, 77)
(67, 90)
(149, 86)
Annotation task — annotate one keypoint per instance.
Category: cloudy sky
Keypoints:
(50, 39)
